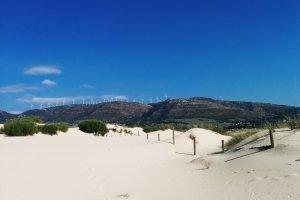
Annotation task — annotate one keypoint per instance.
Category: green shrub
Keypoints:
(148, 129)
(20, 127)
(93, 126)
(293, 123)
(239, 136)
(62, 127)
(214, 127)
(165, 127)
(270, 126)
(35, 119)
(49, 129)
(39, 128)
(2, 130)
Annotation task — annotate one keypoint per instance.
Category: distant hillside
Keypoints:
(197, 110)
(4, 116)
(180, 111)
(111, 112)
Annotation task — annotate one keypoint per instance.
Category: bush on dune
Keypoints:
(96, 127)
(214, 127)
(20, 127)
(239, 136)
(62, 127)
(148, 129)
(293, 123)
(2, 130)
(35, 119)
(49, 129)
(157, 127)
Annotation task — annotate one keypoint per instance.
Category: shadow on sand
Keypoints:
(189, 154)
(259, 149)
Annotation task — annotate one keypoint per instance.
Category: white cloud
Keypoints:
(48, 82)
(41, 100)
(16, 112)
(68, 100)
(87, 86)
(19, 88)
(42, 70)
(114, 97)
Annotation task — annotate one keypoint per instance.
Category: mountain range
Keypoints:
(180, 111)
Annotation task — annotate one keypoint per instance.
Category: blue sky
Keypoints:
(60, 51)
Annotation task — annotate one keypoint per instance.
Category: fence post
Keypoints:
(271, 138)
(223, 147)
(138, 133)
(147, 136)
(173, 136)
(158, 137)
(194, 140)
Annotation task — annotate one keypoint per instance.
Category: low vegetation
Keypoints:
(157, 127)
(214, 127)
(28, 126)
(35, 119)
(192, 136)
(96, 127)
(62, 127)
(293, 123)
(2, 130)
(20, 127)
(49, 129)
(239, 136)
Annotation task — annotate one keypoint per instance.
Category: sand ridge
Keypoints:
(75, 165)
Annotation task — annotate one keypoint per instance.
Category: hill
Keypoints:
(192, 111)
(202, 110)
(111, 112)
(4, 116)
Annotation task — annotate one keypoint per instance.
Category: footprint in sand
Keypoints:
(276, 178)
(240, 183)
(292, 175)
(257, 179)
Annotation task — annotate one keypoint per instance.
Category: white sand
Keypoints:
(79, 166)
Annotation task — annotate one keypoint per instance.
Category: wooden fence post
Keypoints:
(271, 138)
(173, 136)
(223, 147)
(147, 136)
(158, 137)
(194, 140)
(138, 133)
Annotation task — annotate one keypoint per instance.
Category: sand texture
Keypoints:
(79, 166)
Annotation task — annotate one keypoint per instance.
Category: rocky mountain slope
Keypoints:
(197, 110)
(185, 111)
(4, 116)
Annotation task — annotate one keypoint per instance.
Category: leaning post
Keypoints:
(173, 136)
(194, 140)
(271, 138)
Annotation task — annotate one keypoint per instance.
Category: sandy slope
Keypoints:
(79, 166)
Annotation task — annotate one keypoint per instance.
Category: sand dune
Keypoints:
(77, 166)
